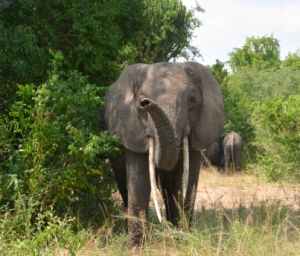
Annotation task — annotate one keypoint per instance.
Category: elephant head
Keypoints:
(165, 105)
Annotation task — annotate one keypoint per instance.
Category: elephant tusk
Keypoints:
(152, 177)
(185, 165)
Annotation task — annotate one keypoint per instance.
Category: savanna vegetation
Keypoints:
(57, 193)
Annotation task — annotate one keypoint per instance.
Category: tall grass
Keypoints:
(260, 228)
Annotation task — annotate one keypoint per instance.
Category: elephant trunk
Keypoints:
(166, 146)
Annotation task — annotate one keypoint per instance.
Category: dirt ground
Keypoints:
(215, 189)
(232, 191)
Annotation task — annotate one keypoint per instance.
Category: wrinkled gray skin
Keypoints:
(165, 101)
(213, 154)
(4, 4)
(232, 148)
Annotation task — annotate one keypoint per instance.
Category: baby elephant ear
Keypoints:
(210, 120)
(121, 113)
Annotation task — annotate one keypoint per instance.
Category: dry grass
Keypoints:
(235, 215)
(212, 177)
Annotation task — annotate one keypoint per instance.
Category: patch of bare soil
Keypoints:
(232, 197)
(233, 191)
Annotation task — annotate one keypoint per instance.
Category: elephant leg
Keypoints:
(169, 189)
(171, 186)
(227, 159)
(237, 166)
(119, 170)
(237, 160)
(138, 185)
(195, 162)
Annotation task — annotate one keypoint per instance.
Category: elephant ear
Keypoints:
(121, 113)
(210, 120)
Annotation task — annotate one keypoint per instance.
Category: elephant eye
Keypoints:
(192, 99)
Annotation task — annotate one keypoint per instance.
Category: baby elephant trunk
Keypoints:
(166, 146)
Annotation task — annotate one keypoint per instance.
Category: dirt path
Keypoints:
(231, 192)
(232, 197)
(215, 189)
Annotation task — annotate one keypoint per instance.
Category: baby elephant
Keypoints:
(231, 145)
(213, 154)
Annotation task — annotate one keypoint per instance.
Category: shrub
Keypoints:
(60, 143)
(278, 135)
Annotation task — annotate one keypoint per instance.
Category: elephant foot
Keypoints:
(134, 240)
(135, 235)
(228, 171)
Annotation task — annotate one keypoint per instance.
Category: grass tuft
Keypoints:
(254, 222)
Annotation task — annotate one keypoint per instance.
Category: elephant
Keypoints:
(231, 148)
(213, 154)
(163, 114)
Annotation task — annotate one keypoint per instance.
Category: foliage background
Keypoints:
(261, 100)
(57, 59)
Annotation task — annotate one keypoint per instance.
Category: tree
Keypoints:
(56, 59)
(169, 31)
(292, 60)
(90, 34)
(259, 53)
(259, 84)
(219, 71)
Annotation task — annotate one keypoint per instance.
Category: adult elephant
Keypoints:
(231, 147)
(164, 114)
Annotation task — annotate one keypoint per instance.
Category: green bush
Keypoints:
(247, 86)
(278, 136)
(43, 236)
(60, 145)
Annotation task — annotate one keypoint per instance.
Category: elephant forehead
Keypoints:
(170, 75)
